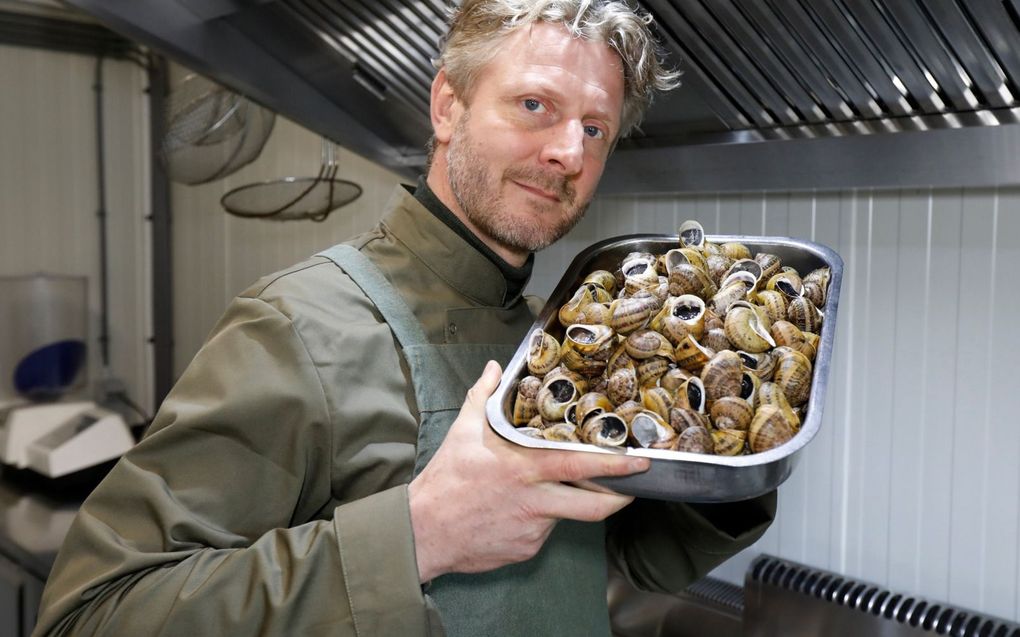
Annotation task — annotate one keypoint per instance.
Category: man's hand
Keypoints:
(483, 502)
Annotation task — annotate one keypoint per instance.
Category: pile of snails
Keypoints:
(706, 349)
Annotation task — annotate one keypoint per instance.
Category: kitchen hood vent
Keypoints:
(798, 68)
(786, 598)
(777, 94)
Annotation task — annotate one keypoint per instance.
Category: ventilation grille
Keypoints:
(717, 591)
(786, 598)
(793, 63)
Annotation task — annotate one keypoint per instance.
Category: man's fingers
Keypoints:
(573, 503)
(571, 466)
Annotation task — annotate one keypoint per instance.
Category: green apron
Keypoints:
(562, 590)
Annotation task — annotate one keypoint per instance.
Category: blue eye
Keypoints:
(594, 131)
(532, 105)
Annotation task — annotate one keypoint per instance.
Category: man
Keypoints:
(322, 466)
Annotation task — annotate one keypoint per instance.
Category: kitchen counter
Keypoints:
(35, 514)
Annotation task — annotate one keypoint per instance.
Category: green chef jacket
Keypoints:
(269, 496)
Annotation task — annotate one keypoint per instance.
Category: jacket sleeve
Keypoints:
(665, 546)
(222, 521)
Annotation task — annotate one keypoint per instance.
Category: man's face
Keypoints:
(528, 149)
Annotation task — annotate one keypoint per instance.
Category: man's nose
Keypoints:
(564, 149)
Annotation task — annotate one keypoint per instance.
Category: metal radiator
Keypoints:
(787, 599)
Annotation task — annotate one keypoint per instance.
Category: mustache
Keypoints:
(560, 186)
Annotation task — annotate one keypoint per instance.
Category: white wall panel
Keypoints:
(49, 193)
(912, 481)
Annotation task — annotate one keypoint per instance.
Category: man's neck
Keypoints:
(439, 182)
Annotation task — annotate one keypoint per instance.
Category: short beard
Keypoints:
(476, 191)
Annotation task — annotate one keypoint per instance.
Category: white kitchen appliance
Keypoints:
(43, 427)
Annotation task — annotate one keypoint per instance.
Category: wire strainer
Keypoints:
(211, 132)
(295, 198)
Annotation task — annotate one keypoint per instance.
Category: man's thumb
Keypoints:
(486, 384)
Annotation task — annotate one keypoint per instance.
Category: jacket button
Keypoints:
(453, 329)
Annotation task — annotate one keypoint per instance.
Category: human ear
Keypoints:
(444, 108)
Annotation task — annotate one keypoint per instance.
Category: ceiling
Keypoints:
(776, 93)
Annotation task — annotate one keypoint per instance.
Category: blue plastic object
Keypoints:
(48, 372)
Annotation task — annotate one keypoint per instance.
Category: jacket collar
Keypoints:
(444, 252)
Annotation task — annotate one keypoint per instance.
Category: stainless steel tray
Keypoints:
(677, 475)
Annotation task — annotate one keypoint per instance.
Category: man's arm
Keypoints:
(665, 546)
(221, 521)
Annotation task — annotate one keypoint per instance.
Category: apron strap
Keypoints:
(390, 304)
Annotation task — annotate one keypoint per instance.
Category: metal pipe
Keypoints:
(104, 318)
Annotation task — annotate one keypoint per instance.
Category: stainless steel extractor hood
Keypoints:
(777, 93)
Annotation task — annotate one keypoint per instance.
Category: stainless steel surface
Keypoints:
(359, 72)
(678, 475)
(786, 598)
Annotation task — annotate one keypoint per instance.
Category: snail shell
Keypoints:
(531, 432)
(691, 234)
(749, 386)
(744, 329)
(691, 395)
(554, 396)
(561, 432)
(526, 402)
(687, 278)
(786, 282)
(718, 266)
(672, 379)
(813, 292)
(628, 410)
(715, 339)
(793, 375)
(746, 265)
(721, 376)
(734, 290)
(819, 277)
(579, 363)
(690, 355)
(803, 313)
(592, 341)
(592, 404)
(735, 250)
(543, 352)
(695, 440)
(774, 303)
(606, 430)
(682, 418)
(769, 428)
(603, 278)
(729, 442)
(622, 385)
(657, 399)
(650, 370)
(770, 264)
(569, 311)
(732, 412)
(649, 430)
(632, 313)
(772, 394)
(645, 343)
(762, 364)
(593, 314)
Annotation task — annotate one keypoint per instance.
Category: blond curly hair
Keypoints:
(478, 27)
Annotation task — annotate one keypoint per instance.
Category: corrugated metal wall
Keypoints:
(913, 480)
(49, 194)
